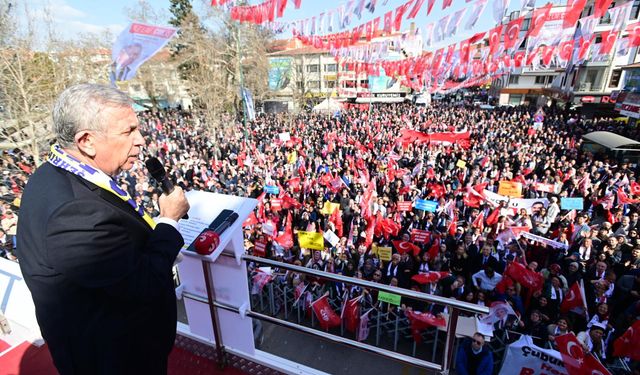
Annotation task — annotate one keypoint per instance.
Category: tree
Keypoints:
(180, 9)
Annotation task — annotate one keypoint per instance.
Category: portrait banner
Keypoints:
(135, 45)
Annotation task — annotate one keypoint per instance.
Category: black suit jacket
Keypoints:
(100, 278)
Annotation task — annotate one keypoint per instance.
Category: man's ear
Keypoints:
(86, 142)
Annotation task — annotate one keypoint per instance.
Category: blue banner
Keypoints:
(425, 205)
(247, 99)
(571, 203)
(272, 189)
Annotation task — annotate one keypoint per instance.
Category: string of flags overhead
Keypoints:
(555, 37)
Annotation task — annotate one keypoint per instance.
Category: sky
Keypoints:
(74, 18)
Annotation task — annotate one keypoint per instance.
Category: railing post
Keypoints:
(211, 297)
(285, 298)
(450, 341)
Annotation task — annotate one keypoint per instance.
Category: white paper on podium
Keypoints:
(205, 207)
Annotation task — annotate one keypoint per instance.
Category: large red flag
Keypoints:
(529, 279)
(608, 40)
(566, 50)
(286, 239)
(573, 13)
(478, 222)
(634, 188)
(351, 314)
(634, 34)
(512, 34)
(518, 59)
(405, 246)
(494, 39)
(574, 300)
(327, 318)
(540, 16)
(576, 361)
(429, 277)
(420, 321)
(416, 8)
(585, 44)
(627, 345)
(434, 250)
(600, 7)
(624, 199)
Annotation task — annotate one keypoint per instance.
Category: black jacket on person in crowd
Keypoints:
(100, 277)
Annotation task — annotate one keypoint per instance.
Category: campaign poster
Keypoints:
(279, 72)
(135, 45)
(523, 357)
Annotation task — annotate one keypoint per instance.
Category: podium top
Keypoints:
(205, 207)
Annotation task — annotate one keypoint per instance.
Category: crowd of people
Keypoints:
(350, 172)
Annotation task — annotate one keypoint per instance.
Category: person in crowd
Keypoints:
(474, 357)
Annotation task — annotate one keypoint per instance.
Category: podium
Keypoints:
(227, 275)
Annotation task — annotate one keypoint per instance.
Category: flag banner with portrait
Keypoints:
(523, 357)
(135, 45)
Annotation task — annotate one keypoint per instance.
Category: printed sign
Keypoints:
(384, 253)
(510, 189)
(425, 205)
(571, 203)
(393, 299)
(272, 189)
(311, 240)
(461, 164)
(523, 357)
(331, 237)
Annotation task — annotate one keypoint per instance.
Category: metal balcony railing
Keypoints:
(455, 307)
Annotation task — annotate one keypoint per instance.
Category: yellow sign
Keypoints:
(384, 253)
(461, 164)
(311, 240)
(329, 207)
(510, 189)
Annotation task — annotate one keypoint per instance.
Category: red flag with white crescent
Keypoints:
(512, 34)
(540, 16)
(576, 361)
(494, 39)
(627, 344)
(573, 300)
(406, 246)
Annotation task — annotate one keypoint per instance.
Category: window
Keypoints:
(300, 85)
(314, 84)
(540, 80)
(330, 67)
(515, 99)
(615, 77)
(299, 69)
(635, 10)
(525, 24)
(606, 19)
(313, 68)
(598, 39)
(513, 80)
(330, 84)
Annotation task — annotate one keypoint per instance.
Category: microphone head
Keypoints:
(155, 168)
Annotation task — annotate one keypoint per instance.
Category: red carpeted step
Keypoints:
(182, 362)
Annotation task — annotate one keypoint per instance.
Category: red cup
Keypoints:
(207, 242)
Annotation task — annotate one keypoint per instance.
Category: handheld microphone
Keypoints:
(157, 171)
(208, 241)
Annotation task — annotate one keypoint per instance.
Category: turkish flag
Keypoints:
(627, 344)
(634, 34)
(251, 220)
(547, 54)
(479, 222)
(405, 246)
(624, 199)
(286, 239)
(601, 7)
(388, 25)
(434, 250)
(566, 50)
(573, 300)
(573, 13)
(416, 8)
(327, 318)
(493, 216)
(336, 219)
(464, 52)
(351, 314)
(530, 279)
(518, 59)
(511, 35)
(420, 321)
(576, 361)
(446, 4)
(397, 22)
(540, 16)
(429, 277)
(608, 39)
(289, 202)
(430, 4)
(634, 188)
(585, 44)
(494, 39)
(436, 189)
(294, 183)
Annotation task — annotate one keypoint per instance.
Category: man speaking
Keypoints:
(98, 267)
